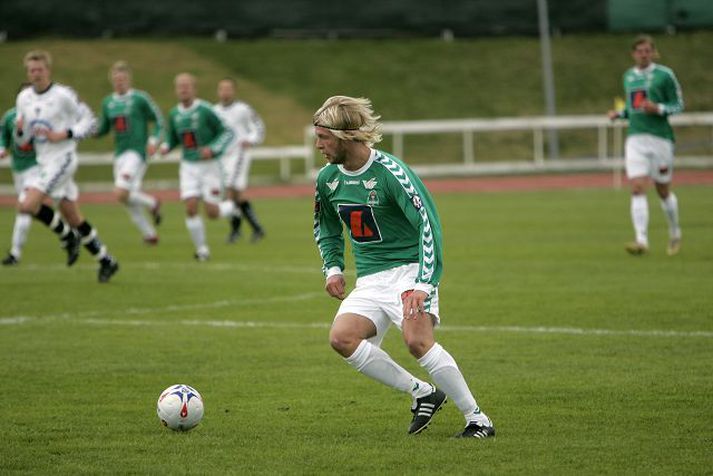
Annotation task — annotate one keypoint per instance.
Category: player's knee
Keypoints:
(418, 345)
(342, 342)
(121, 195)
(212, 212)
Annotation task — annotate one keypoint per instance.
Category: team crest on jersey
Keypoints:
(333, 185)
(373, 198)
(417, 203)
(369, 184)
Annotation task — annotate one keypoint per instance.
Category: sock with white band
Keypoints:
(640, 218)
(19, 233)
(447, 376)
(136, 212)
(670, 209)
(197, 232)
(375, 363)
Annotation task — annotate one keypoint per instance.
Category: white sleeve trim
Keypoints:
(334, 271)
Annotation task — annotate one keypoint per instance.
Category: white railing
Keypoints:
(608, 154)
(606, 157)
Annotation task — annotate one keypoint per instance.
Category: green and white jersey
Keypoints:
(23, 156)
(389, 214)
(196, 127)
(129, 116)
(658, 84)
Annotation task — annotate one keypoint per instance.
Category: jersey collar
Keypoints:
(193, 105)
(354, 173)
(125, 95)
(646, 70)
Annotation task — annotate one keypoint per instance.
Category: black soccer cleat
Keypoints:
(234, 234)
(107, 269)
(424, 410)
(10, 260)
(156, 213)
(72, 244)
(257, 236)
(476, 430)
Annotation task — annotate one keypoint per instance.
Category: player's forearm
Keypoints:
(85, 125)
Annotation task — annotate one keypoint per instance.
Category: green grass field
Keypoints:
(588, 360)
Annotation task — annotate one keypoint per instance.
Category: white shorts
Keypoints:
(23, 179)
(56, 177)
(378, 298)
(129, 170)
(236, 168)
(649, 156)
(201, 179)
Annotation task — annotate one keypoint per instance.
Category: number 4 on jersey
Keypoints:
(361, 222)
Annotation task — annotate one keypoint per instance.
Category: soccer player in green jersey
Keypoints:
(652, 94)
(128, 113)
(203, 138)
(395, 234)
(24, 172)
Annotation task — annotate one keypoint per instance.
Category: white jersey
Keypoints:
(246, 124)
(58, 108)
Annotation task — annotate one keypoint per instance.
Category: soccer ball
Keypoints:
(180, 407)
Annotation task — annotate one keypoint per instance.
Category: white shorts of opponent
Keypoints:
(23, 179)
(236, 168)
(129, 170)
(201, 179)
(649, 156)
(378, 298)
(56, 177)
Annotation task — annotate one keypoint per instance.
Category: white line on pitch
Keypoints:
(152, 265)
(77, 316)
(325, 325)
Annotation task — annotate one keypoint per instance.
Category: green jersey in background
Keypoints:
(196, 127)
(129, 116)
(23, 157)
(658, 84)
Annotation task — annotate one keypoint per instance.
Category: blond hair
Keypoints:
(38, 55)
(120, 67)
(348, 118)
(641, 39)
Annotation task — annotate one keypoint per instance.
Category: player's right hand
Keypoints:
(613, 114)
(336, 286)
(3, 153)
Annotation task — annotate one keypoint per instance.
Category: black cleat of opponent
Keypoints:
(424, 410)
(156, 213)
(477, 430)
(107, 269)
(72, 244)
(10, 260)
(234, 234)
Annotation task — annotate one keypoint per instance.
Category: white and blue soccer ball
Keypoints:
(180, 407)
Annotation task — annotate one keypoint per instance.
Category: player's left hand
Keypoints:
(413, 304)
(650, 107)
(151, 150)
(206, 153)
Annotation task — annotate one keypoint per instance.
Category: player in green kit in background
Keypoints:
(24, 171)
(128, 113)
(396, 240)
(203, 138)
(652, 94)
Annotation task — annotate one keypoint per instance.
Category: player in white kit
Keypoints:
(53, 117)
(249, 130)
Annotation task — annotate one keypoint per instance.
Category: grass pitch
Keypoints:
(588, 360)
